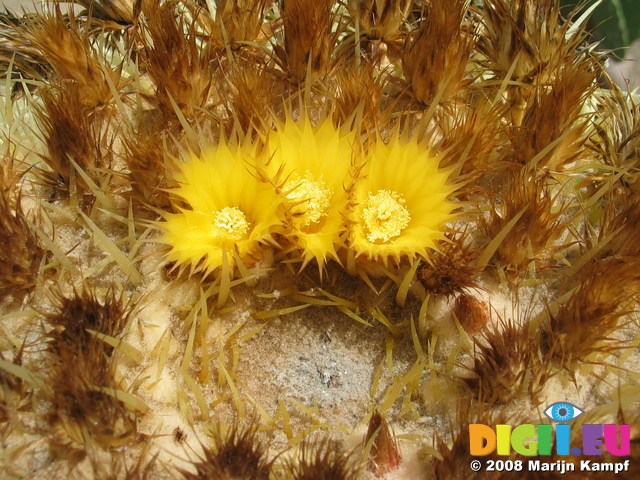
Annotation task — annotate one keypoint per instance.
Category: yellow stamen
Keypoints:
(384, 215)
(230, 223)
(311, 198)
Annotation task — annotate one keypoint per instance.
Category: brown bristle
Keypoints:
(308, 38)
(531, 238)
(249, 93)
(64, 43)
(321, 460)
(359, 95)
(508, 364)
(471, 139)
(83, 311)
(82, 375)
(71, 132)
(384, 455)
(472, 313)
(452, 269)
(583, 325)
(554, 116)
(513, 29)
(149, 171)
(236, 454)
(437, 51)
(84, 397)
(9, 382)
(13, 391)
(380, 20)
(20, 251)
(381, 27)
(534, 37)
(617, 139)
(119, 12)
(619, 226)
(181, 71)
(238, 21)
(26, 62)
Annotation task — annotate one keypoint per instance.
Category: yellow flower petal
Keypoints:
(229, 208)
(401, 203)
(315, 165)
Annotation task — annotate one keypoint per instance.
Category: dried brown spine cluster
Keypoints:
(235, 454)
(20, 250)
(83, 388)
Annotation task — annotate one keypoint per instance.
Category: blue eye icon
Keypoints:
(563, 412)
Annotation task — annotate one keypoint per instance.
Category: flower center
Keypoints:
(230, 223)
(311, 198)
(384, 215)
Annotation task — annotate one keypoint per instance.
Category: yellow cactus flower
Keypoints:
(313, 166)
(229, 209)
(401, 202)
